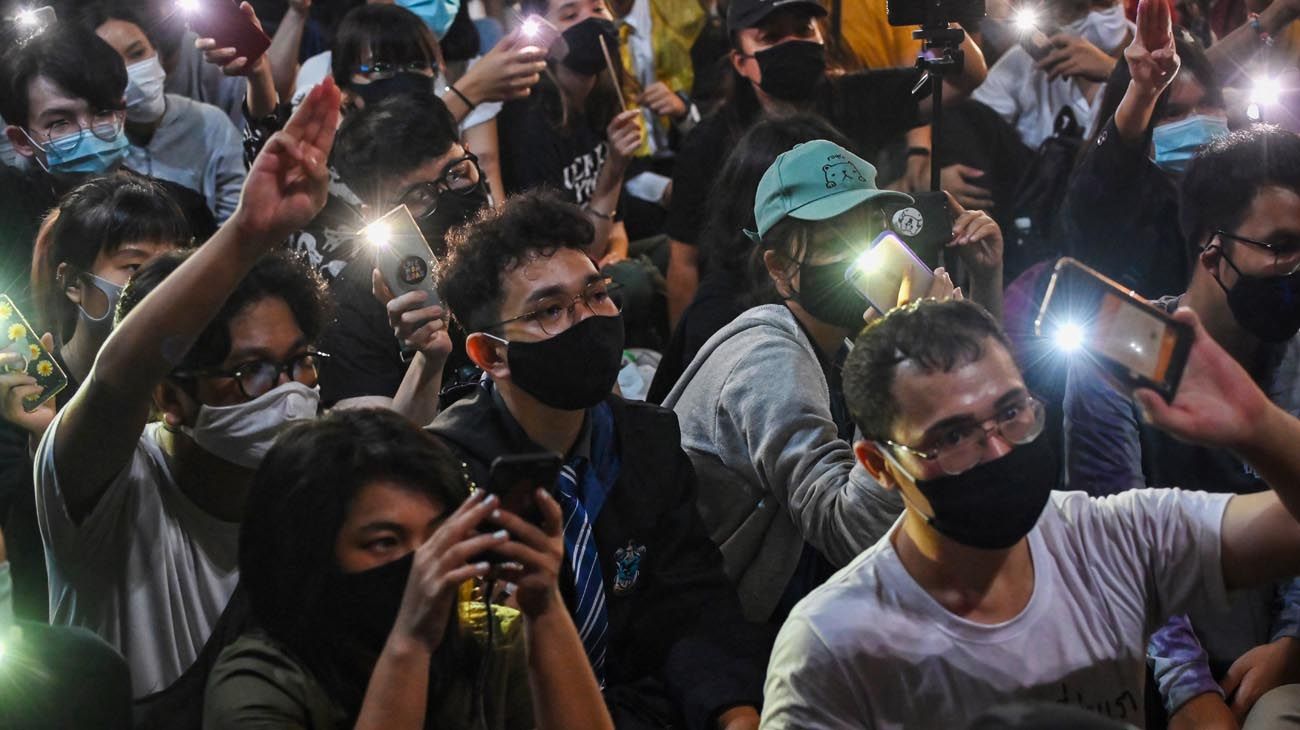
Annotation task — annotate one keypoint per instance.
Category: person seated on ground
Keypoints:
(1241, 209)
(88, 247)
(780, 495)
(727, 266)
(63, 95)
(992, 587)
(140, 520)
(660, 622)
(358, 611)
(570, 134)
(402, 150)
(173, 138)
(778, 65)
(1121, 210)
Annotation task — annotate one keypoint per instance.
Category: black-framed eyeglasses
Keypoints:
(1279, 252)
(962, 447)
(459, 176)
(555, 314)
(257, 377)
(65, 135)
(380, 70)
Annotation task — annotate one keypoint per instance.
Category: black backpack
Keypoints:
(1034, 233)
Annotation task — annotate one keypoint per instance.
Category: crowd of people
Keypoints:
(629, 446)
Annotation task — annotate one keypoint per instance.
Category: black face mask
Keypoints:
(825, 294)
(365, 605)
(573, 370)
(1268, 307)
(585, 55)
(403, 82)
(791, 70)
(453, 208)
(994, 504)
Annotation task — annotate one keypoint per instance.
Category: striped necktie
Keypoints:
(589, 611)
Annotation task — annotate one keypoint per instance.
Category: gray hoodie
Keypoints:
(755, 415)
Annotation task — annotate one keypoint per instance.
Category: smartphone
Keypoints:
(514, 479)
(1038, 41)
(540, 32)
(402, 254)
(32, 22)
(1134, 341)
(879, 272)
(224, 22)
(925, 225)
(36, 361)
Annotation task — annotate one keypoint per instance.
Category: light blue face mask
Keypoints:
(1178, 142)
(437, 14)
(85, 154)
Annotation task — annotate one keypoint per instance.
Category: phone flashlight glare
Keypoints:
(866, 262)
(1025, 20)
(188, 6)
(1068, 337)
(379, 234)
(531, 27)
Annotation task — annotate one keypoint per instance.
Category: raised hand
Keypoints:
(625, 134)
(538, 553)
(976, 237)
(1073, 56)
(289, 181)
(421, 328)
(228, 59)
(1152, 60)
(508, 71)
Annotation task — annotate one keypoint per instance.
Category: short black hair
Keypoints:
(480, 254)
(74, 59)
(936, 336)
(95, 13)
(98, 215)
(316, 468)
(1221, 182)
(390, 32)
(279, 274)
(390, 139)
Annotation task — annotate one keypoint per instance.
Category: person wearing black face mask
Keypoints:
(357, 611)
(1007, 589)
(661, 623)
(1239, 212)
(778, 65)
(749, 433)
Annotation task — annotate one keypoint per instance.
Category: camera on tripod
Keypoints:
(932, 13)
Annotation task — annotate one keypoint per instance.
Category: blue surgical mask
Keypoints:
(437, 14)
(86, 154)
(1178, 142)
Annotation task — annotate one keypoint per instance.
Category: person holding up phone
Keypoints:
(359, 617)
(781, 494)
(1239, 203)
(992, 587)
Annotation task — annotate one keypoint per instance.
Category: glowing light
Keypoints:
(26, 18)
(866, 262)
(188, 6)
(379, 234)
(2, 651)
(1069, 337)
(531, 27)
(1025, 20)
(1266, 91)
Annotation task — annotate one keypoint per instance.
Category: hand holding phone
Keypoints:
(402, 254)
(28, 371)
(880, 273)
(229, 26)
(515, 479)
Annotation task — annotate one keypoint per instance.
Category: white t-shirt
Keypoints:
(147, 569)
(872, 649)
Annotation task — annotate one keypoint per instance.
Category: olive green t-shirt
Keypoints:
(257, 685)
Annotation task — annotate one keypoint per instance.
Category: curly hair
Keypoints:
(479, 255)
(1222, 181)
(279, 274)
(936, 336)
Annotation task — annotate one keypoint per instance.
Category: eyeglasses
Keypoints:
(459, 176)
(557, 313)
(1279, 252)
(962, 447)
(64, 135)
(380, 70)
(258, 377)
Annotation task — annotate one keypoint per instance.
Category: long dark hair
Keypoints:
(602, 104)
(296, 506)
(1194, 61)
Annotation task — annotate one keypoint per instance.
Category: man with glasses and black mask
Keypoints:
(402, 150)
(992, 587)
(141, 520)
(1240, 209)
(660, 622)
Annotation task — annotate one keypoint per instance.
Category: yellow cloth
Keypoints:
(675, 24)
(631, 83)
(872, 39)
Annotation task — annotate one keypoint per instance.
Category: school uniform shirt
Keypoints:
(675, 627)
(872, 649)
(196, 147)
(147, 569)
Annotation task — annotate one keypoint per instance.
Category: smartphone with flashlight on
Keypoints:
(402, 254)
(538, 31)
(515, 479)
(1135, 342)
(1035, 35)
(925, 225)
(18, 338)
(31, 22)
(225, 23)
(879, 273)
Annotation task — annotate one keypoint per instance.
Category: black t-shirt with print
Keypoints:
(871, 108)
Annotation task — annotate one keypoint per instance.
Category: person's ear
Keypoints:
(873, 460)
(781, 270)
(71, 284)
(1210, 256)
(19, 141)
(738, 60)
(177, 407)
(488, 354)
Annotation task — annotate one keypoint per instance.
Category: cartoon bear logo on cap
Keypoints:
(839, 171)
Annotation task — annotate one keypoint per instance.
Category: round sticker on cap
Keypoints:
(908, 221)
(413, 270)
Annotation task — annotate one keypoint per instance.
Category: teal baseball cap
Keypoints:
(814, 181)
